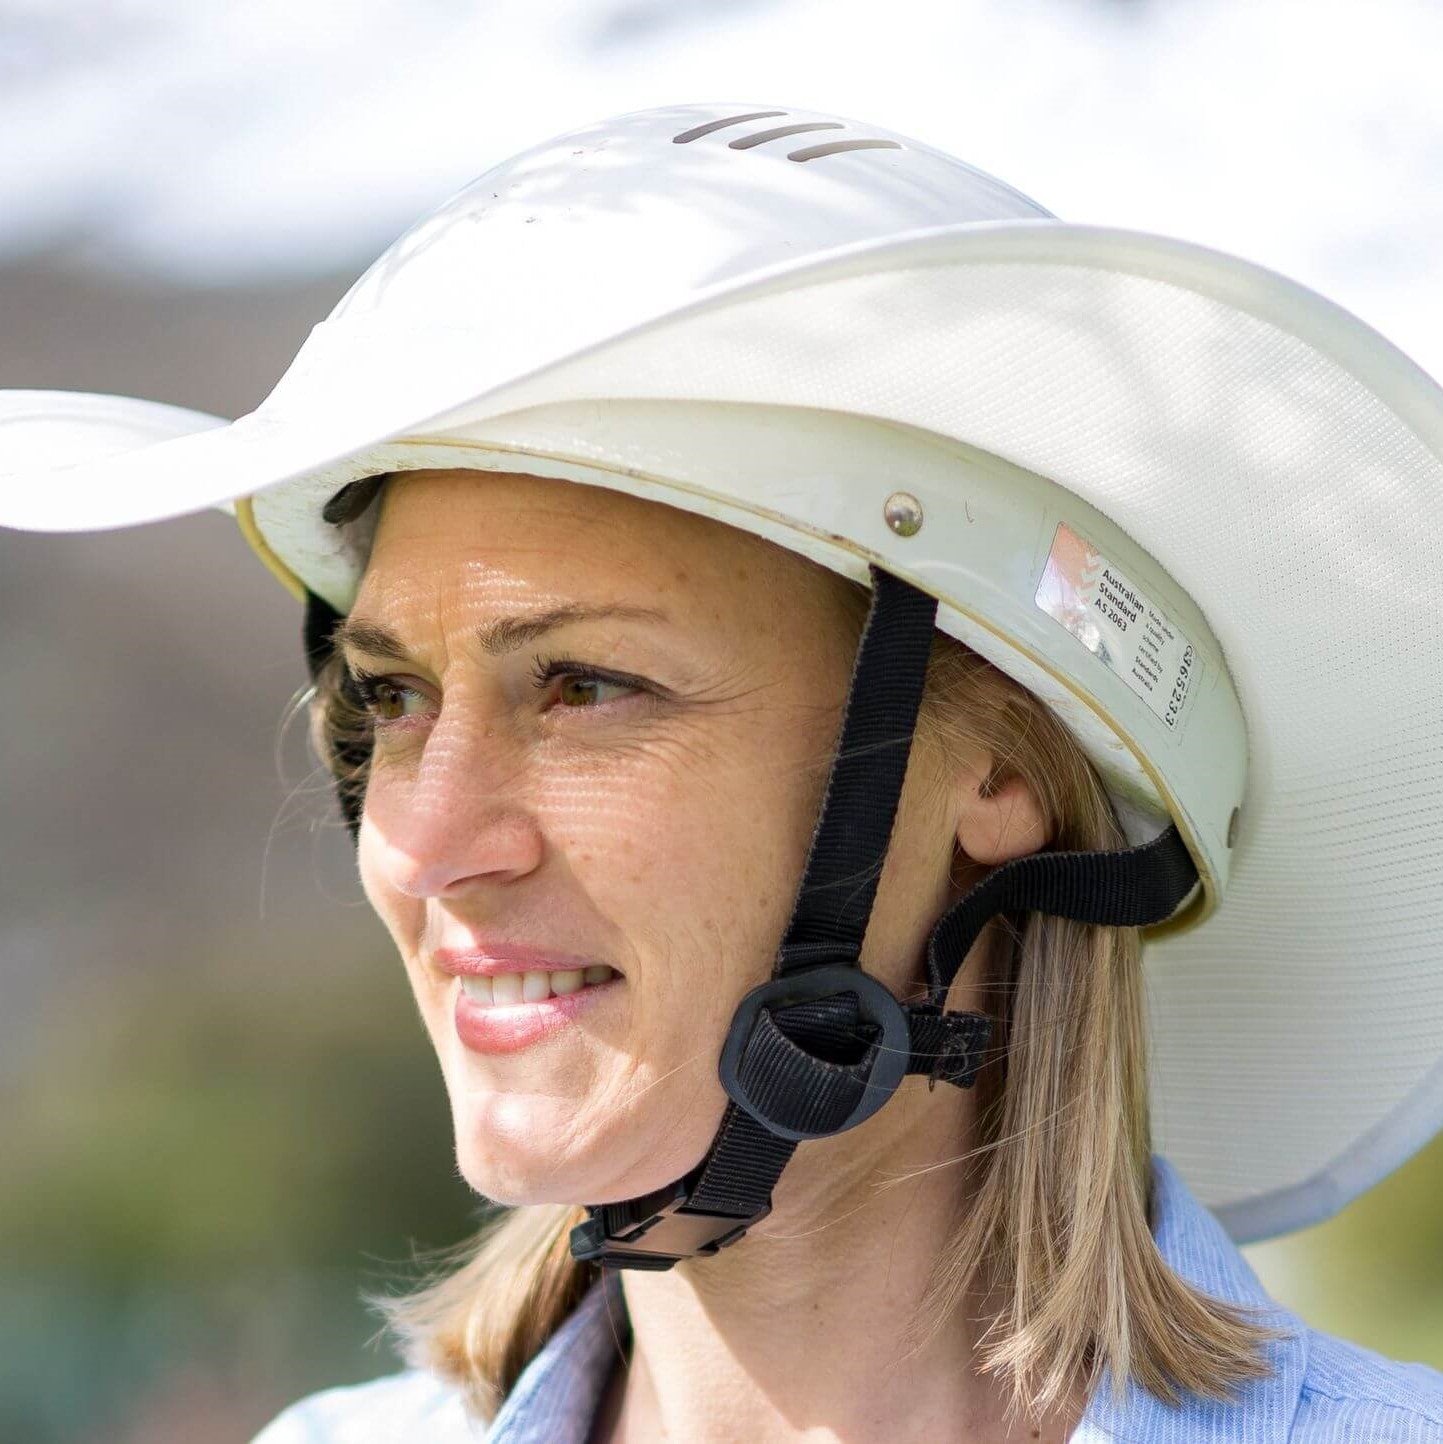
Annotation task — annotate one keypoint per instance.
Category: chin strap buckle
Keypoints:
(658, 1230)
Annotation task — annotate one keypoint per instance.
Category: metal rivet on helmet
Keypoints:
(903, 513)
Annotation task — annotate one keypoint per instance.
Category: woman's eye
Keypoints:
(388, 701)
(573, 684)
(575, 691)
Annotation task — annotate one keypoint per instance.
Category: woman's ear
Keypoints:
(997, 819)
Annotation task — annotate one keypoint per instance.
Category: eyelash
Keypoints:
(545, 670)
(367, 685)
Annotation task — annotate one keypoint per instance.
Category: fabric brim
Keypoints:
(44, 432)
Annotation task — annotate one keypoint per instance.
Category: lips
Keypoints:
(513, 996)
(493, 959)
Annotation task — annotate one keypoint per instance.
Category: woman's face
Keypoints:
(603, 727)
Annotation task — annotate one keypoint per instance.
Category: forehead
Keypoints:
(497, 537)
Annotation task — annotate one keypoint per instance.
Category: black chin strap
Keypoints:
(822, 1046)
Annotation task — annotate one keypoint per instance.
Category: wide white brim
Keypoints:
(1274, 455)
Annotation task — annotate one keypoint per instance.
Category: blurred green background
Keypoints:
(212, 1161)
(1374, 1273)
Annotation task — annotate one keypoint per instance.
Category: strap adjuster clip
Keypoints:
(888, 1055)
(669, 1230)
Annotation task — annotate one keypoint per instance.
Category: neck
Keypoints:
(813, 1327)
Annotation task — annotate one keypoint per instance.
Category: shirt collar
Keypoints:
(557, 1396)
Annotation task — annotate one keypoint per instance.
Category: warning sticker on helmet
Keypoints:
(1099, 604)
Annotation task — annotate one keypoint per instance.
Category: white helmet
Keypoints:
(1180, 498)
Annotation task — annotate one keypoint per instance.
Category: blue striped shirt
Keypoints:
(1321, 1390)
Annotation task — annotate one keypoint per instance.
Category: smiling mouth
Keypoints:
(509, 990)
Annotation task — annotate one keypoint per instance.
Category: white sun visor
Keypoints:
(47, 432)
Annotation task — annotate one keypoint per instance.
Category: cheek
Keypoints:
(675, 857)
(404, 916)
(688, 851)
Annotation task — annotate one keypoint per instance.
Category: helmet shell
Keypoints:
(631, 215)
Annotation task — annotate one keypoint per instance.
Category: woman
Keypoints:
(787, 619)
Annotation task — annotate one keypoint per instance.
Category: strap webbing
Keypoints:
(854, 827)
(844, 862)
(1129, 888)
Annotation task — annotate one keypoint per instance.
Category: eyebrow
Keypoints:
(496, 638)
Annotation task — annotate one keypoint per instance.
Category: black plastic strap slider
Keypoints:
(770, 1073)
(657, 1231)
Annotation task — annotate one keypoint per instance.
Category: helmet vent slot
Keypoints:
(834, 147)
(697, 131)
(762, 136)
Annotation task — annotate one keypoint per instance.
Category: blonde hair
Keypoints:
(1057, 1238)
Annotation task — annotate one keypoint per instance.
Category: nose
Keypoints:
(461, 818)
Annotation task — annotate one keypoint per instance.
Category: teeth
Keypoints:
(509, 989)
(506, 989)
(477, 988)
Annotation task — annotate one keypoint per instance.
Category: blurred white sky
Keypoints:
(218, 140)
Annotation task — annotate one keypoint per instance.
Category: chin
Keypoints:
(507, 1186)
(516, 1150)
(507, 1142)
(516, 1180)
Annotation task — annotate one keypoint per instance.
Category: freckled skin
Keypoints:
(663, 835)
